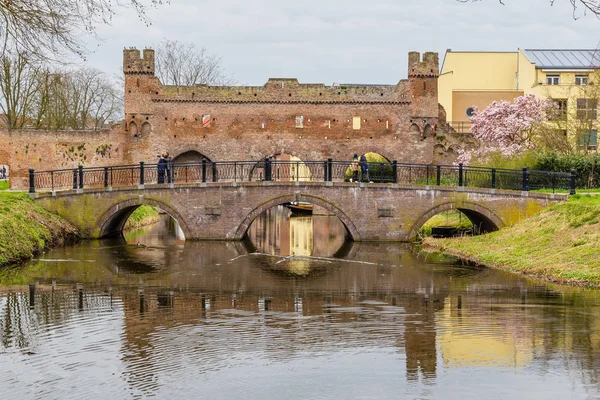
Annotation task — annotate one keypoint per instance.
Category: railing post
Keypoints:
(52, 180)
(493, 178)
(235, 171)
(105, 176)
(427, 174)
(267, 169)
(460, 174)
(31, 180)
(329, 169)
(525, 180)
(74, 178)
(141, 173)
(204, 170)
(325, 171)
(438, 173)
(170, 172)
(80, 176)
(394, 171)
(572, 192)
(214, 171)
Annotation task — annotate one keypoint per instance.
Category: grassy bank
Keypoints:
(142, 216)
(3, 185)
(27, 229)
(450, 218)
(560, 244)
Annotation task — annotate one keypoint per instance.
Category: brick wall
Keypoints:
(310, 121)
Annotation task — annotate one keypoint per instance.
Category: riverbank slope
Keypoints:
(142, 216)
(26, 229)
(559, 244)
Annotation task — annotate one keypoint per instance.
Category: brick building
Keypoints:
(308, 121)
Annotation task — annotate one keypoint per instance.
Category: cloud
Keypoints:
(343, 40)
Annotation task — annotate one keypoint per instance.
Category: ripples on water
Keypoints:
(314, 318)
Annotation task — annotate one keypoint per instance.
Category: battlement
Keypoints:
(428, 67)
(282, 82)
(133, 63)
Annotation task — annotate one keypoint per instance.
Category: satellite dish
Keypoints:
(470, 112)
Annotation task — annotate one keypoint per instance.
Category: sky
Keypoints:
(342, 41)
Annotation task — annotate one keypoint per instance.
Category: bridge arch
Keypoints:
(189, 156)
(482, 218)
(113, 220)
(276, 201)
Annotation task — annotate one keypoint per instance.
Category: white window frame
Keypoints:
(582, 79)
(552, 79)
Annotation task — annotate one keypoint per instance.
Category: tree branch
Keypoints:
(592, 6)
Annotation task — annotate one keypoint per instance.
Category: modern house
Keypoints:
(571, 78)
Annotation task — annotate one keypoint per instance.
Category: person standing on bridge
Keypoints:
(167, 158)
(161, 168)
(364, 168)
(355, 168)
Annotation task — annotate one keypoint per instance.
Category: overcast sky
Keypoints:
(350, 41)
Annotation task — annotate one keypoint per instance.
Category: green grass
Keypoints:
(142, 216)
(27, 229)
(448, 218)
(4, 185)
(560, 243)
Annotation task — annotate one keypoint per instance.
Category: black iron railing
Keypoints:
(299, 171)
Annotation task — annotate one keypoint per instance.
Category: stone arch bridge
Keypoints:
(225, 210)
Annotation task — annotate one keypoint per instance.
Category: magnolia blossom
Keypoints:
(507, 128)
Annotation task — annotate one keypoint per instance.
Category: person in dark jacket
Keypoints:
(162, 168)
(364, 168)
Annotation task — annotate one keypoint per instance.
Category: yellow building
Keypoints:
(470, 79)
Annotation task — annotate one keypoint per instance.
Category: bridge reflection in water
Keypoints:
(162, 317)
(277, 231)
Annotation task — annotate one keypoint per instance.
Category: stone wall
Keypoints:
(310, 121)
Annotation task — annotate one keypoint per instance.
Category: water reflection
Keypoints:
(156, 316)
(278, 232)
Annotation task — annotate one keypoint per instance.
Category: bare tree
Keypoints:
(79, 99)
(19, 84)
(592, 6)
(32, 95)
(185, 65)
(49, 28)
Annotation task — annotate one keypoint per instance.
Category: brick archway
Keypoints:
(245, 224)
(113, 220)
(480, 216)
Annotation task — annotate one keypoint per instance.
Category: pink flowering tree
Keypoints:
(508, 128)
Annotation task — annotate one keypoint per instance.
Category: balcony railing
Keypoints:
(460, 126)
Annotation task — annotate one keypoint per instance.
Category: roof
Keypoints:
(564, 59)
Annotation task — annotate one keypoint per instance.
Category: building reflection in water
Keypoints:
(171, 318)
(278, 232)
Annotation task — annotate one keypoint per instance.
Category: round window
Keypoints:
(470, 112)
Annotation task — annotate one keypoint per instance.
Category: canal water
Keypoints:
(295, 312)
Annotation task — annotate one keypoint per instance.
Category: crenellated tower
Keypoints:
(140, 85)
(133, 63)
(423, 76)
